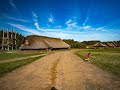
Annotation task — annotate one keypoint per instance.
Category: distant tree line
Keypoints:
(117, 41)
(76, 44)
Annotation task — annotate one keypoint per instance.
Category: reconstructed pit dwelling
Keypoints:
(35, 42)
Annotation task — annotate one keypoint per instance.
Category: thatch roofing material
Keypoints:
(41, 42)
(109, 44)
(99, 44)
(113, 44)
(118, 44)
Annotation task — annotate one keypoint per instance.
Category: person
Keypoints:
(88, 57)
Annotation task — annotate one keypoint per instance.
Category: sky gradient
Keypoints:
(81, 20)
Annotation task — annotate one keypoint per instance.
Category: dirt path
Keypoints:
(63, 70)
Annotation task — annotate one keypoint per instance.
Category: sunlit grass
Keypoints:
(10, 66)
(107, 59)
(19, 54)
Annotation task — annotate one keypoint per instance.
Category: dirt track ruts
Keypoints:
(63, 70)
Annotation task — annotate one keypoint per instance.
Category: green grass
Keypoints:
(107, 59)
(6, 56)
(8, 67)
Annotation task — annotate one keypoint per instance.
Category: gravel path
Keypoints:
(63, 70)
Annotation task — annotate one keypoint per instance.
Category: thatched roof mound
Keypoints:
(118, 44)
(42, 42)
(99, 44)
(109, 44)
(113, 44)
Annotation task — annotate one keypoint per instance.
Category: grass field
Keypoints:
(107, 59)
(17, 54)
(10, 66)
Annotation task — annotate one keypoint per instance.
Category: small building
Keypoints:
(109, 45)
(117, 44)
(35, 42)
(113, 44)
(100, 45)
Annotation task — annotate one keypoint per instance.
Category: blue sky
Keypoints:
(81, 20)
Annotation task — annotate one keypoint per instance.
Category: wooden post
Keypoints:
(7, 40)
(12, 39)
(15, 41)
(3, 41)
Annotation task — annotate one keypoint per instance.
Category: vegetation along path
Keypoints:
(21, 58)
(62, 70)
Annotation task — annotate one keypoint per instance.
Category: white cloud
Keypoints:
(17, 19)
(14, 9)
(12, 4)
(74, 24)
(34, 15)
(37, 25)
(59, 26)
(86, 20)
(24, 28)
(102, 29)
(51, 19)
(71, 25)
(65, 34)
(69, 21)
(87, 28)
(35, 21)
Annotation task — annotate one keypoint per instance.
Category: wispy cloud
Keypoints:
(87, 17)
(87, 28)
(71, 24)
(35, 21)
(37, 25)
(65, 34)
(51, 19)
(25, 28)
(12, 4)
(48, 32)
(69, 21)
(14, 8)
(86, 20)
(59, 26)
(17, 19)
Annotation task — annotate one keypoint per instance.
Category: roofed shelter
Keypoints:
(110, 44)
(35, 42)
(100, 45)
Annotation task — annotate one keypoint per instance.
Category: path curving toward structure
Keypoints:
(62, 70)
